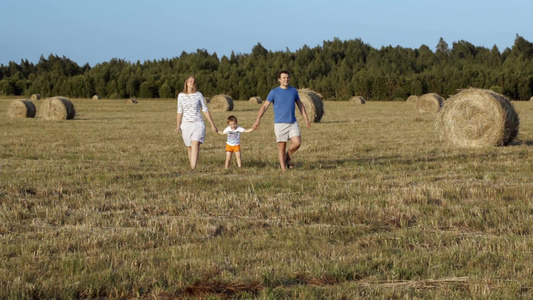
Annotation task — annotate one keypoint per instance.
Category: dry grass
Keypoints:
(106, 207)
(357, 99)
(313, 103)
(256, 100)
(412, 99)
(21, 108)
(57, 108)
(429, 103)
(478, 118)
(221, 103)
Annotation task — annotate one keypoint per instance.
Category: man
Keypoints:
(285, 99)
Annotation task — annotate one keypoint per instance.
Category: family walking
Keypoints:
(284, 98)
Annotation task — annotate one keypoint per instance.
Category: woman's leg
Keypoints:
(194, 153)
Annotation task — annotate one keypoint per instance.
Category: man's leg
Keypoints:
(281, 154)
(296, 141)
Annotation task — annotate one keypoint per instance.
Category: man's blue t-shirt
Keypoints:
(284, 101)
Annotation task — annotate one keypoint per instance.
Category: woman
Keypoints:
(189, 119)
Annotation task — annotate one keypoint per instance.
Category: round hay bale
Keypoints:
(313, 104)
(357, 99)
(412, 99)
(256, 100)
(57, 108)
(35, 97)
(221, 103)
(429, 103)
(531, 99)
(477, 117)
(132, 101)
(96, 97)
(21, 109)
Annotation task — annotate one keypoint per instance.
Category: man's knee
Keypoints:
(296, 141)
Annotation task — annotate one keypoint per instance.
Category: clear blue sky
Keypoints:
(96, 31)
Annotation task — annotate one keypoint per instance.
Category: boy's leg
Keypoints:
(238, 157)
(228, 159)
(281, 155)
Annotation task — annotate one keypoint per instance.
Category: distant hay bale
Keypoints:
(35, 97)
(57, 108)
(21, 109)
(96, 97)
(221, 103)
(313, 104)
(412, 99)
(429, 103)
(357, 99)
(477, 117)
(531, 99)
(256, 100)
(132, 101)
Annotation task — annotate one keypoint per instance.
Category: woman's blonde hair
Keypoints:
(193, 87)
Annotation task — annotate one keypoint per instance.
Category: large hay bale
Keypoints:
(357, 99)
(96, 97)
(57, 108)
(412, 99)
(313, 104)
(429, 103)
(256, 99)
(476, 117)
(21, 109)
(35, 97)
(132, 101)
(221, 103)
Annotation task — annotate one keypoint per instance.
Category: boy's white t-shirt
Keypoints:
(234, 136)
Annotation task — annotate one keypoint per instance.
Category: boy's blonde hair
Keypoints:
(232, 118)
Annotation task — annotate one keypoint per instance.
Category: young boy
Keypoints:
(233, 143)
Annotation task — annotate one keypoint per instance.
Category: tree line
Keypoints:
(337, 69)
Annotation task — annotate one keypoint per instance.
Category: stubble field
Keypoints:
(377, 207)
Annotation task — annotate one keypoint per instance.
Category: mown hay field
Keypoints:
(105, 206)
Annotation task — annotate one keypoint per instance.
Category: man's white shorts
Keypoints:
(285, 131)
(192, 131)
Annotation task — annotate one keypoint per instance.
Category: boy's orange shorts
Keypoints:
(230, 148)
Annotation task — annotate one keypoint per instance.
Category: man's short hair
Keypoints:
(283, 72)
